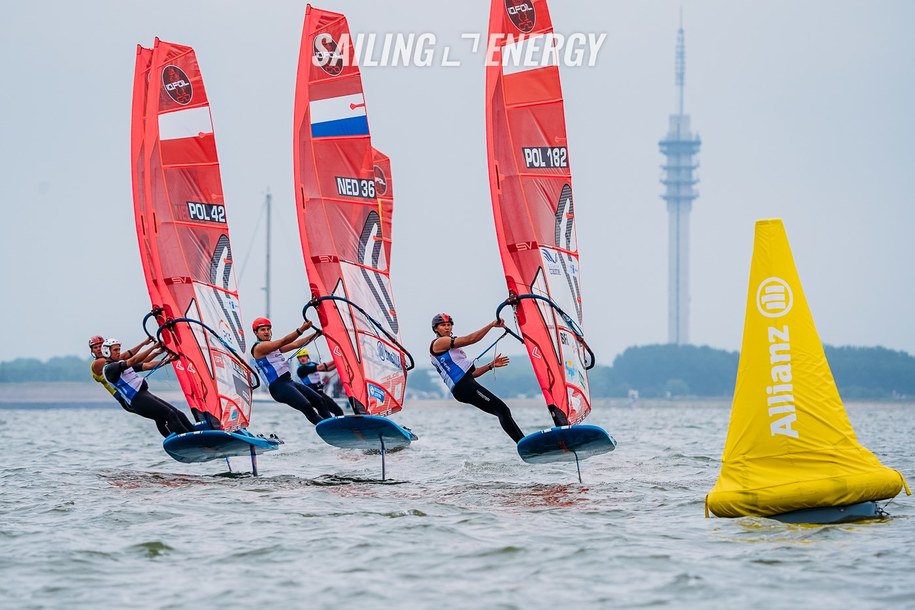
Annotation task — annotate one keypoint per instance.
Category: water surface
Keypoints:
(94, 514)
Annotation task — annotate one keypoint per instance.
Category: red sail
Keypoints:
(344, 199)
(183, 234)
(531, 186)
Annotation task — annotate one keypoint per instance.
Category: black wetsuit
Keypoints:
(468, 391)
(146, 404)
(303, 372)
(302, 398)
(275, 369)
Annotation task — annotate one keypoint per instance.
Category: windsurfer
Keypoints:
(123, 375)
(268, 355)
(459, 372)
(310, 374)
(95, 348)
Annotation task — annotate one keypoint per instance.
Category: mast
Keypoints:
(680, 147)
(266, 288)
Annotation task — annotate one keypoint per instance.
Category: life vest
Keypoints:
(452, 365)
(128, 383)
(310, 373)
(101, 379)
(272, 366)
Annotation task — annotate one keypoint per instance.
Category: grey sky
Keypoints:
(804, 109)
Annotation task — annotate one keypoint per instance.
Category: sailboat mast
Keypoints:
(267, 272)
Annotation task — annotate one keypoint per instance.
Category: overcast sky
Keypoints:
(805, 110)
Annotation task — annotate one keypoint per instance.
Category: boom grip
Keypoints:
(576, 329)
(316, 300)
(228, 347)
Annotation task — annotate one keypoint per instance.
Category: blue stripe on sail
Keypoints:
(354, 126)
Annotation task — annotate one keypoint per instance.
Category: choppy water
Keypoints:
(94, 514)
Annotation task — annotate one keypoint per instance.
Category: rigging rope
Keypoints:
(257, 225)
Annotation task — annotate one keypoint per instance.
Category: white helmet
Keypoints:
(106, 347)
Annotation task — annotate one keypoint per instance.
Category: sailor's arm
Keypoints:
(476, 336)
(289, 341)
(98, 365)
(150, 364)
(134, 350)
(141, 357)
(497, 362)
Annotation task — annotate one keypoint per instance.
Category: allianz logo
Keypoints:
(774, 298)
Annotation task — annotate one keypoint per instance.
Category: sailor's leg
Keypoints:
(330, 405)
(287, 393)
(175, 420)
(316, 400)
(147, 405)
(471, 392)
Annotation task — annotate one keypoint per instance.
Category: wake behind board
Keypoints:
(364, 432)
(206, 445)
(565, 444)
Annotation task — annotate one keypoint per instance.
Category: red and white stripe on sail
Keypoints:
(531, 186)
(344, 197)
(183, 233)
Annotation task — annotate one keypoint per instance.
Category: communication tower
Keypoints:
(679, 176)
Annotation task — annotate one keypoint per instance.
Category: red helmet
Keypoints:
(96, 340)
(441, 318)
(260, 322)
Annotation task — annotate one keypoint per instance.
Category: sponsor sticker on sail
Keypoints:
(381, 181)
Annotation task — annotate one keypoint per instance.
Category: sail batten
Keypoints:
(183, 233)
(344, 204)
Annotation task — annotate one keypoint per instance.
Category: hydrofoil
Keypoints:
(371, 432)
(565, 444)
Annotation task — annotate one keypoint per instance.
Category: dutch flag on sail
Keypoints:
(339, 116)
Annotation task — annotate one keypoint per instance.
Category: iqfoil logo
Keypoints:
(774, 298)
(521, 13)
(177, 85)
(327, 54)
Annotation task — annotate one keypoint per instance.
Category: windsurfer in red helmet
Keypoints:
(99, 362)
(268, 355)
(459, 372)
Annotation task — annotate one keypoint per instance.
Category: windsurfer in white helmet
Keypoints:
(268, 355)
(99, 362)
(123, 374)
(459, 372)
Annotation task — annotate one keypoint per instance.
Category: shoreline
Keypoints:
(89, 394)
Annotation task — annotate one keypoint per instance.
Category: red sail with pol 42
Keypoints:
(184, 236)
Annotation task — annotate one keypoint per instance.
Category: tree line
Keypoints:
(654, 371)
(671, 371)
